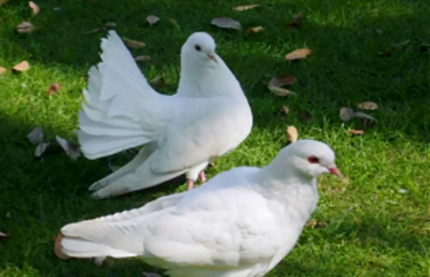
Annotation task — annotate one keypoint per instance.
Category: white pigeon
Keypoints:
(208, 117)
(241, 223)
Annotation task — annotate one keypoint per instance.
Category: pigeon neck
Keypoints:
(208, 81)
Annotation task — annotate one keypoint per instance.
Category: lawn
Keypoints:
(373, 223)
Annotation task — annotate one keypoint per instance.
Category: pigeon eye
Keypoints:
(197, 47)
(313, 160)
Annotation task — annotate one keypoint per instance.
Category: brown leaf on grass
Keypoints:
(110, 24)
(53, 89)
(133, 43)
(71, 148)
(226, 23)
(8, 214)
(355, 132)
(244, 8)
(175, 23)
(36, 136)
(314, 223)
(286, 110)
(58, 249)
(152, 19)
(346, 113)
(375, 198)
(3, 235)
(41, 148)
(282, 80)
(368, 105)
(276, 83)
(25, 27)
(296, 22)
(254, 30)
(2, 70)
(143, 58)
(93, 31)
(298, 54)
(292, 133)
(35, 8)
(157, 81)
(365, 117)
(281, 91)
(22, 66)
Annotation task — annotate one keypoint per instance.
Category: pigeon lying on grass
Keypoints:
(241, 223)
(208, 117)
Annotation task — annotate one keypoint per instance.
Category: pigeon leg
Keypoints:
(202, 176)
(190, 184)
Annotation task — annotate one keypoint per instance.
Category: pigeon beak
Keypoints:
(212, 57)
(333, 170)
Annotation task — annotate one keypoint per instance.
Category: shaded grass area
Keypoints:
(365, 226)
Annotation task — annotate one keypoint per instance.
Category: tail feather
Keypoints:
(80, 248)
(95, 147)
(141, 178)
(120, 110)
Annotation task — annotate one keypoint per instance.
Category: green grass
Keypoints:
(367, 228)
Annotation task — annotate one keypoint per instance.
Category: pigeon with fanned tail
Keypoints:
(241, 223)
(208, 117)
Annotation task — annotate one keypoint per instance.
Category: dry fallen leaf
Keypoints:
(286, 110)
(22, 66)
(367, 118)
(292, 133)
(25, 27)
(133, 43)
(143, 58)
(8, 214)
(226, 23)
(36, 136)
(41, 148)
(3, 235)
(2, 70)
(35, 8)
(276, 83)
(298, 54)
(57, 247)
(297, 21)
(368, 105)
(93, 31)
(355, 132)
(152, 19)
(157, 81)
(255, 30)
(244, 8)
(282, 80)
(346, 114)
(175, 23)
(312, 223)
(53, 89)
(71, 148)
(110, 24)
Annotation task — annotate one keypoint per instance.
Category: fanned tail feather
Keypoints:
(120, 106)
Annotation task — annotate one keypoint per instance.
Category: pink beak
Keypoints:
(335, 171)
(212, 57)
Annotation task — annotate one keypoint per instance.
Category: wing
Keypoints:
(203, 129)
(215, 226)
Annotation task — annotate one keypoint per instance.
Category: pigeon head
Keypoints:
(200, 47)
(311, 158)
